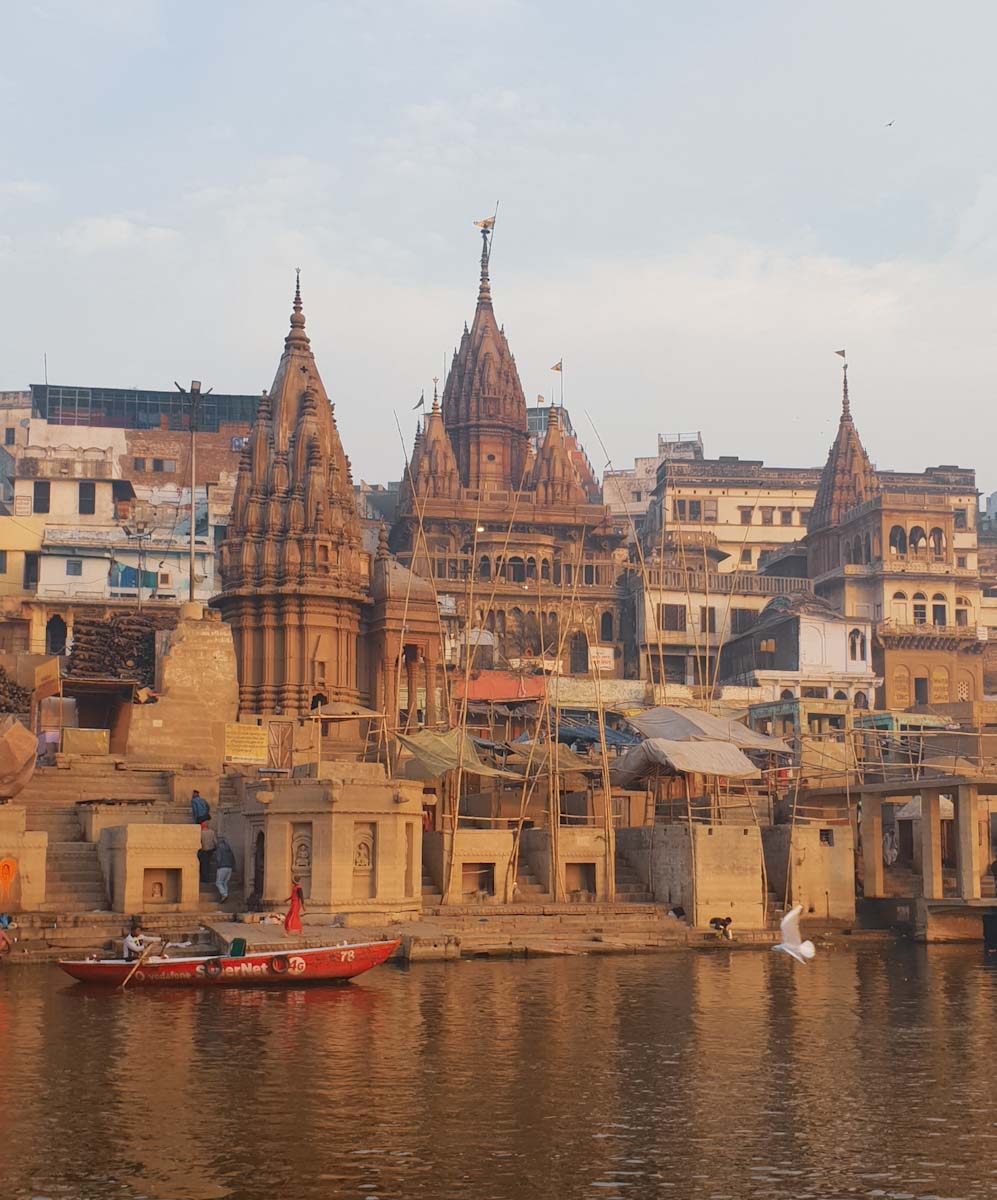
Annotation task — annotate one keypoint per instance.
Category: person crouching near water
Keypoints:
(136, 943)
(292, 922)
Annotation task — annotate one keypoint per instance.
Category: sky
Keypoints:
(699, 204)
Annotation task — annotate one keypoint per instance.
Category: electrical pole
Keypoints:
(195, 400)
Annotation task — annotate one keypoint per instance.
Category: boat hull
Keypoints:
(282, 968)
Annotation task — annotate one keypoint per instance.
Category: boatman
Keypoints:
(136, 943)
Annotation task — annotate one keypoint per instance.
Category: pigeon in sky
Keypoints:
(791, 943)
(889, 124)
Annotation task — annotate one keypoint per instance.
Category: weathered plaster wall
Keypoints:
(821, 877)
(126, 852)
(199, 694)
(28, 849)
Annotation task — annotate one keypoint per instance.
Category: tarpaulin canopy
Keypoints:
(580, 731)
(437, 753)
(565, 759)
(692, 724)
(699, 758)
(344, 710)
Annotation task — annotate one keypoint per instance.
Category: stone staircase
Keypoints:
(431, 896)
(75, 882)
(630, 888)
(529, 889)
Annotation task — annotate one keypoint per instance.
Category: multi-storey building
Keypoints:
(751, 509)
(514, 546)
(900, 549)
(685, 607)
(627, 492)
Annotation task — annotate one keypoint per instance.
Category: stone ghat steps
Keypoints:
(523, 917)
(75, 881)
(630, 888)
(46, 936)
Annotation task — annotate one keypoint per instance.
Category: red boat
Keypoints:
(270, 968)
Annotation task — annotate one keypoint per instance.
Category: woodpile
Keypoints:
(119, 647)
(13, 699)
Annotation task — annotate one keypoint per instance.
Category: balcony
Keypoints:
(895, 631)
(728, 583)
(29, 467)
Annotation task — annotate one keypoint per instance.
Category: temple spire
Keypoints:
(849, 478)
(297, 338)
(485, 289)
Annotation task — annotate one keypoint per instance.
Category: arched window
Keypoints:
(787, 694)
(856, 646)
(861, 700)
(485, 567)
(920, 608)
(918, 540)
(545, 570)
(848, 553)
(841, 695)
(606, 627)
(936, 539)
(857, 550)
(898, 540)
(517, 570)
(55, 635)
(898, 610)
(939, 609)
(579, 654)
(962, 610)
(531, 568)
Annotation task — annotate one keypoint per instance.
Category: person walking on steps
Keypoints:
(224, 863)
(292, 922)
(200, 809)
(209, 843)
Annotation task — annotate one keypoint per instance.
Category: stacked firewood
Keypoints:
(13, 699)
(120, 647)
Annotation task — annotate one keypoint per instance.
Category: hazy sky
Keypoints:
(700, 203)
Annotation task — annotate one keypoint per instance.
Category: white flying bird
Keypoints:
(791, 943)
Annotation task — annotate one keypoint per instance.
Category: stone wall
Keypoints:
(821, 875)
(728, 870)
(151, 868)
(24, 853)
(199, 694)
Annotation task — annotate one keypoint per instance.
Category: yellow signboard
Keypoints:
(246, 744)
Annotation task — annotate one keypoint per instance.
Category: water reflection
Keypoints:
(720, 1074)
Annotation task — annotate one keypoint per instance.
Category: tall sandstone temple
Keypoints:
(315, 615)
(512, 544)
(899, 548)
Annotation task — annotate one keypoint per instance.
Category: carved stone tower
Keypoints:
(294, 575)
(484, 409)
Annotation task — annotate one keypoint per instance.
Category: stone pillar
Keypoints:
(431, 714)
(872, 846)
(412, 682)
(967, 840)
(931, 844)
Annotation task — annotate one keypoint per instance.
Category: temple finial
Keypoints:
(846, 409)
(297, 336)
(436, 394)
(484, 291)
(382, 541)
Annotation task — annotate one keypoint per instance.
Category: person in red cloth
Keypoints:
(292, 922)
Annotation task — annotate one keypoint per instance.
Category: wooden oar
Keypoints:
(139, 961)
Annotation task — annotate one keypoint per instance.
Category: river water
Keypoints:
(869, 1072)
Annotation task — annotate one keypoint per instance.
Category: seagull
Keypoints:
(791, 943)
(889, 124)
